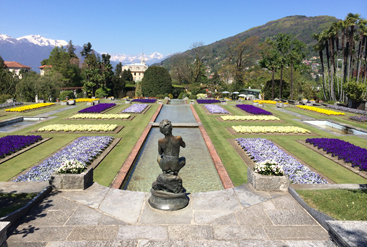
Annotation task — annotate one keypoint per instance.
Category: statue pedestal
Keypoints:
(168, 201)
(168, 193)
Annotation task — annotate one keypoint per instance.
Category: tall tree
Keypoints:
(270, 57)
(283, 45)
(70, 48)
(295, 57)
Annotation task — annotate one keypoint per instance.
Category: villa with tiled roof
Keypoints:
(16, 67)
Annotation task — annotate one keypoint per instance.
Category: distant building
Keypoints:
(16, 67)
(44, 68)
(137, 69)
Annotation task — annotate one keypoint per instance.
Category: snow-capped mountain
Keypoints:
(30, 50)
(41, 41)
(155, 57)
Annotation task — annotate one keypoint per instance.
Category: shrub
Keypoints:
(102, 92)
(69, 94)
(4, 97)
(181, 96)
(156, 81)
(268, 90)
(192, 96)
(170, 96)
(159, 96)
(355, 91)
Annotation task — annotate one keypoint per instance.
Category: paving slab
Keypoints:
(228, 232)
(124, 205)
(92, 197)
(212, 243)
(142, 232)
(248, 197)
(108, 220)
(307, 243)
(214, 217)
(215, 200)
(259, 243)
(286, 202)
(90, 233)
(40, 233)
(156, 243)
(296, 233)
(84, 215)
(253, 216)
(288, 217)
(191, 232)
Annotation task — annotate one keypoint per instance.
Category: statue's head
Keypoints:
(165, 126)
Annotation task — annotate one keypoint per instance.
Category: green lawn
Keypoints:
(108, 168)
(236, 167)
(351, 204)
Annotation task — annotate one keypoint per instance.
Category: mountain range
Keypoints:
(30, 50)
(302, 27)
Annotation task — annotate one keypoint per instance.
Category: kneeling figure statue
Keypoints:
(167, 191)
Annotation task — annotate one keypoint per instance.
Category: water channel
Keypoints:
(198, 175)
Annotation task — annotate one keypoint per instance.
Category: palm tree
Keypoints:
(319, 47)
(351, 20)
(283, 43)
(295, 57)
(270, 61)
(362, 28)
(331, 38)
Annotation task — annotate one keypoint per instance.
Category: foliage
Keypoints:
(285, 89)
(355, 91)
(102, 92)
(138, 90)
(194, 89)
(118, 82)
(64, 94)
(4, 97)
(181, 95)
(159, 96)
(192, 96)
(8, 81)
(127, 76)
(170, 96)
(156, 80)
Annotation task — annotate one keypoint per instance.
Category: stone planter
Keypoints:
(267, 183)
(192, 102)
(304, 101)
(64, 103)
(72, 181)
(96, 102)
(71, 102)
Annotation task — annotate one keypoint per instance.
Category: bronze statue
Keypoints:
(169, 150)
(167, 191)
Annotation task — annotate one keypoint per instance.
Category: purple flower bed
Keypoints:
(207, 101)
(359, 118)
(343, 150)
(84, 149)
(146, 101)
(254, 110)
(97, 108)
(260, 149)
(347, 109)
(13, 143)
(216, 109)
(136, 108)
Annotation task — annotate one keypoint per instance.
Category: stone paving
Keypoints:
(102, 216)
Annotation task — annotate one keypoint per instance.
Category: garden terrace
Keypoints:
(253, 110)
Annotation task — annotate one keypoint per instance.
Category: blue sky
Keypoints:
(164, 26)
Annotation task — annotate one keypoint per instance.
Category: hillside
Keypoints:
(301, 26)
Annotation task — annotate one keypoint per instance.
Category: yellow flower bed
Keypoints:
(265, 101)
(79, 127)
(100, 116)
(270, 129)
(320, 110)
(227, 99)
(85, 100)
(250, 118)
(29, 107)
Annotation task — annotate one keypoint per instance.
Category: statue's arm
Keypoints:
(182, 143)
(160, 149)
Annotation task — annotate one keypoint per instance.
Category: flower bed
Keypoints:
(343, 150)
(29, 107)
(145, 101)
(250, 118)
(207, 101)
(260, 149)
(270, 129)
(265, 101)
(135, 108)
(79, 127)
(216, 109)
(359, 118)
(13, 143)
(320, 110)
(84, 149)
(97, 108)
(85, 100)
(253, 110)
(347, 109)
(100, 116)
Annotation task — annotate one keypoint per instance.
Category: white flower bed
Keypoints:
(250, 118)
(270, 129)
(100, 116)
(79, 127)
